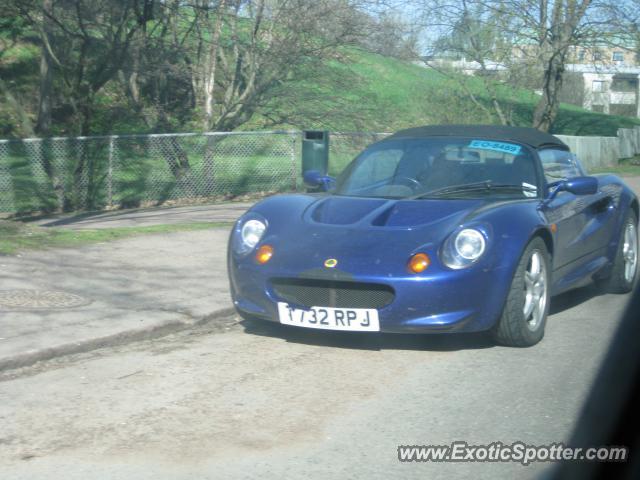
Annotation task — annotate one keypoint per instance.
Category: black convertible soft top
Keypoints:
(528, 136)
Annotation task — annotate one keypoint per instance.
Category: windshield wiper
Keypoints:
(486, 185)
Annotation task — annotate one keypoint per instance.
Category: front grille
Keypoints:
(331, 293)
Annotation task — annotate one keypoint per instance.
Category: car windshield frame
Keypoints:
(476, 188)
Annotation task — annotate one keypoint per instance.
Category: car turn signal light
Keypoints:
(264, 254)
(419, 263)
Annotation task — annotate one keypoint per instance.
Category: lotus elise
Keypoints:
(437, 229)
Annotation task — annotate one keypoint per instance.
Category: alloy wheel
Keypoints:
(536, 290)
(630, 252)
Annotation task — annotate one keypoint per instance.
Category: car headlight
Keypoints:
(252, 232)
(463, 248)
(247, 235)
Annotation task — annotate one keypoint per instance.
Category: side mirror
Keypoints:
(575, 185)
(581, 185)
(314, 178)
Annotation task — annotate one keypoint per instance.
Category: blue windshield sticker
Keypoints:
(496, 146)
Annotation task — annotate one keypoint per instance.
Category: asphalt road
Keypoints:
(230, 399)
(233, 399)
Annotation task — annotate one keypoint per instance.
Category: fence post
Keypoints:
(294, 166)
(110, 172)
(6, 180)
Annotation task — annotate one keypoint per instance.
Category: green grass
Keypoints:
(141, 173)
(369, 92)
(629, 167)
(16, 236)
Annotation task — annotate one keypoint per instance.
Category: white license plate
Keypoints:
(327, 318)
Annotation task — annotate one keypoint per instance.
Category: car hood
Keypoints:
(363, 234)
(396, 214)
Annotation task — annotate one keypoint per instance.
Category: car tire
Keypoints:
(524, 316)
(625, 263)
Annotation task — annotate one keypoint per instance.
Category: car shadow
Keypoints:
(573, 298)
(390, 341)
(368, 341)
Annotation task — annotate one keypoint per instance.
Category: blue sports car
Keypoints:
(454, 228)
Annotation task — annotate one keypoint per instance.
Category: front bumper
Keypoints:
(469, 300)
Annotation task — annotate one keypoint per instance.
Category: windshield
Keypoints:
(444, 167)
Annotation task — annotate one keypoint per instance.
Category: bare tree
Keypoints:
(86, 43)
(388, 34)
(265, 43)
(558, 28)
(473, 40)
(535, 36)
(215, 64)
(43, 125)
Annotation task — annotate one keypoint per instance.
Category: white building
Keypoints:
(468, 67)
(612, 89)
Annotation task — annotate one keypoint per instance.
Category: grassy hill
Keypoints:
(375, 93)
(361, 92)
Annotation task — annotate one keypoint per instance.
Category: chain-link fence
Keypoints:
(93, 173)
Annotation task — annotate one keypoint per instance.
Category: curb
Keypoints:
(121, 338)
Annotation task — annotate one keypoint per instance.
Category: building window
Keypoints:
(618, 57)
(623, 110)
(624, 84)
(597, 56)
(597, 86)
(581, 55)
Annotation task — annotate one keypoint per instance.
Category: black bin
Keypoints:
(315, 151)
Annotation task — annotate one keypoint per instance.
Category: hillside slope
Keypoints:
(375, 93)
(361, 92)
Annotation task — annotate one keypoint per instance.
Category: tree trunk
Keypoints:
(211, 67)
(43, 124)
(86, 115)
(547, 109)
